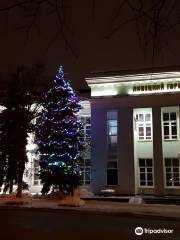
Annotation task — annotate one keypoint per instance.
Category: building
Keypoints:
(135, 132)
(132, 134)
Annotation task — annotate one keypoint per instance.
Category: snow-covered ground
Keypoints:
(12, 199)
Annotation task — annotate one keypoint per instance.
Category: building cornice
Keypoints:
(152, 82)
(133, 77)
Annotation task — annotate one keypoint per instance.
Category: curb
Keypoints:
(86, 211)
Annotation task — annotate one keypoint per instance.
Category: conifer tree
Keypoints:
(58, 133)
(15, 123)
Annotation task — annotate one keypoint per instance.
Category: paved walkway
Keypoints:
(109, 208)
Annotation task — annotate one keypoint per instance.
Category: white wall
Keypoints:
(142, 149)
(171, 148)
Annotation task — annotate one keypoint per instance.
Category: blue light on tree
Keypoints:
(58, 135)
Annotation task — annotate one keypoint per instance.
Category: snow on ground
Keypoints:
(62, 199)
(11, 199)
(59, 197)
(72, 201)
(51, 196)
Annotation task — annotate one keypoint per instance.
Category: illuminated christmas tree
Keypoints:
(58, 136)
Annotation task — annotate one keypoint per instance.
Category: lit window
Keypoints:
(37, 180)
(112, 173)
(85, 164)
(172, 169)
(170, 126)
(85, 167)
(112, 131)
(145, 172)
(112, 127)
(86, 131)
(144, 126)
(112, 143)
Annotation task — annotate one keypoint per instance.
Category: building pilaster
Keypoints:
(158, 152)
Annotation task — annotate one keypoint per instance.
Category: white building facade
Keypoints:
(135, 132)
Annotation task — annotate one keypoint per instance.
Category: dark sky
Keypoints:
(95, 53)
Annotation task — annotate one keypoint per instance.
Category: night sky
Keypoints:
(88, 30)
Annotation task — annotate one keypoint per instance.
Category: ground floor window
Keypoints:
(36, 180)
(85, 166)
(112, 173)
(172, 170)
(145, 172)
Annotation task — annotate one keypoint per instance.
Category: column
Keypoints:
(158, 154)
(126, 151)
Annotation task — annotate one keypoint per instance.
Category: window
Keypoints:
(172, 170)
(86, 131)
(37, 180)
(112, 132)
(144, 126)
(145, 172)
(85, 163)
(85, 166)
(112, 143)
(170, 126)
(112, 174)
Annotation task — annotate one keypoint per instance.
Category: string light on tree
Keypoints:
(58, 135)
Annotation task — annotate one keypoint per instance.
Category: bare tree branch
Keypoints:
(117, 10)
(93, 9)
(153, 20)
(17, 4)
(33, 8)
